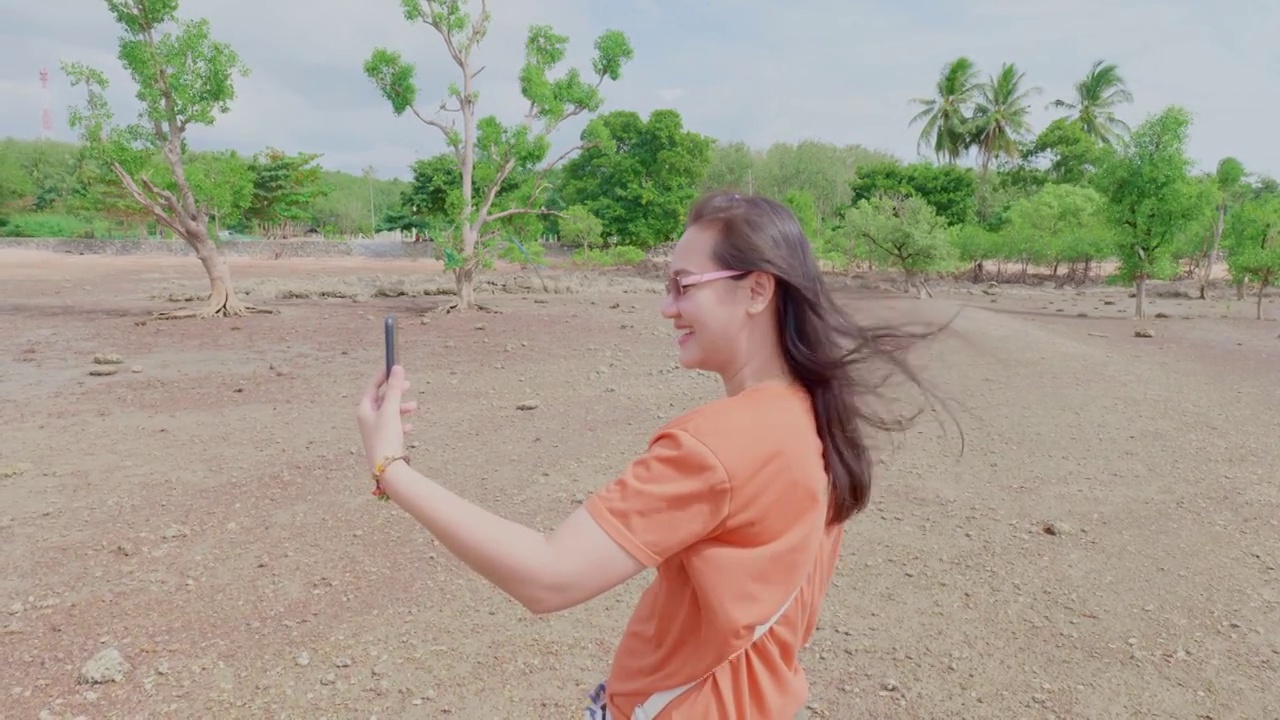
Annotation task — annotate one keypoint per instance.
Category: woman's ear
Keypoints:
(760, 286)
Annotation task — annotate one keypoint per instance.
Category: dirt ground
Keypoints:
(1107, 545)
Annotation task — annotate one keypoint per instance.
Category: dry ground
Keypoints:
(208, 516)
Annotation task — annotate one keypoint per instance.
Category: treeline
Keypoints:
(1081, 193)
(55, 189)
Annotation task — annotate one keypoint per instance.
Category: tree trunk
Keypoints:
(923, 289)
(222, 295)
(464, 276)
(1213, 252)
(464, 279)
(1140, 309)
(1262, 287)
(1240, 289)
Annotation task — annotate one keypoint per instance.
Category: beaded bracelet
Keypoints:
(380, 470)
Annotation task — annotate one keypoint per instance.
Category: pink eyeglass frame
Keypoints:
(676, 285)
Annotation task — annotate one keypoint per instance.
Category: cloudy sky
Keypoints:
(836, 70)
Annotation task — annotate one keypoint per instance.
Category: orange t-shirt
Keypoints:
(729, 504)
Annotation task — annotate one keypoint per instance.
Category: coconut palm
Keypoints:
(945, 115)
(999, 122)
(1098, 95)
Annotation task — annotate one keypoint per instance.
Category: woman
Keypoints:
(740, 504)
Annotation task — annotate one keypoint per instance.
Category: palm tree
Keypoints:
(945, 115)
(999, 122)
(1101, 91)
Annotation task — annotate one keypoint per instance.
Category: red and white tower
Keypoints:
(46, 117)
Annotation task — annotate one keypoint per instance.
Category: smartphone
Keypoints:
(389, 329)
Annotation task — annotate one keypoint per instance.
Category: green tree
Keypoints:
(821, 169)
(580, 228)
(506, 149)
(1000, 116)
(36, 174)
(223, 181)
(1059, 224)
(355, 203)
(285, 188)
(902, 231)
(1230, 188)
(1252, 239)
(974, 245)
(1072, 153)
(946, 115)
(433, 193)
(1151, 197)
(949, 189)
(732, 167)
(1097, 96)
(184, 77)
(640, 182)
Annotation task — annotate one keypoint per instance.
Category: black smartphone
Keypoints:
(389, 326)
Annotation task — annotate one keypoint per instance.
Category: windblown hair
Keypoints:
(825, 349)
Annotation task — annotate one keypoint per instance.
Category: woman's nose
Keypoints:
(669, 309)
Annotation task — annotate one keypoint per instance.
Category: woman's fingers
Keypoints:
(369, 401)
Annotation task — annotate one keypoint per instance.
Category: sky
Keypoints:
(842, 71)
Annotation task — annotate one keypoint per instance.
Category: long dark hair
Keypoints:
(825, 349)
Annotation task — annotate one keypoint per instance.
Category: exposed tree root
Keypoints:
(456, 307)
(226, 307)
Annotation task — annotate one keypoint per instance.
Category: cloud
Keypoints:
(755, 71)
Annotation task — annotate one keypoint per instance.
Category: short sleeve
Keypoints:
(670, 497)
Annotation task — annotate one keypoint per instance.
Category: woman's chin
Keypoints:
(687, 359)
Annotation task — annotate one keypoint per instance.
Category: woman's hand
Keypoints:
(380, 416)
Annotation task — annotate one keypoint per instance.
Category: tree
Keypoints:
(821, 169)
(224, 182)
(1097, 96)
(1252, 238)
(902, 231)
(949, 189)
(639, 183)
(732, 167)
(1151, 197)
(1059, 224)
(1230, 188)
(285, 187)
(184, 77)
(501, 150)
(974, 245)
(946, 115)
(1000, 111)
(1072, 153)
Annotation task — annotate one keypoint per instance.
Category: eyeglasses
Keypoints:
(676, 285)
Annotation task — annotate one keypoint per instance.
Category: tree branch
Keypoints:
(508, 165)
(169, 200)
(444, 129)
(523, 211)
(477, 28)
(448, 42)
(151, 205)
(540, 184)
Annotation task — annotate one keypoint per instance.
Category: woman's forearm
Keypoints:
(513, 557)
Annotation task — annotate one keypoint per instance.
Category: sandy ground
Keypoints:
(208, 518)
